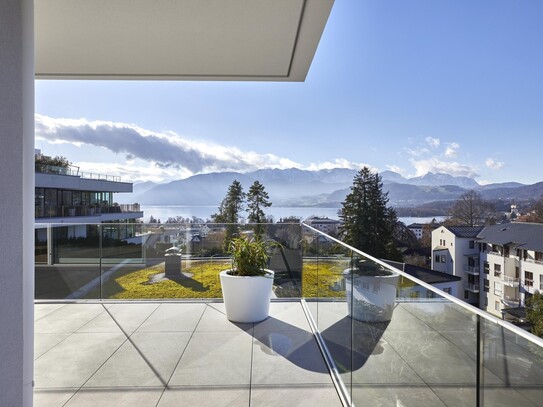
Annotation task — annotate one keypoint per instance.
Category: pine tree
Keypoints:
(229, 210)
(257, 198)
(368, 224)
(231, 205)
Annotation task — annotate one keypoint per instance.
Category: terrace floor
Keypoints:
(177, 353)
(169, 354)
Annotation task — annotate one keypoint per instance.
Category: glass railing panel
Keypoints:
(394, 341)
(513, 368)
(67, 261)
(324, 290)
(156, 261)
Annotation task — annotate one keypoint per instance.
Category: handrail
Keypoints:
(518, 331)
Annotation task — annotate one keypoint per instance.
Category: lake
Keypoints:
(163, 212)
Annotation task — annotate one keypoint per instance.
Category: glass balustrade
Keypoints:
(390, 338)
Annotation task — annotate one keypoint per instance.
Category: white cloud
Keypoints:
(396, 169)
(493, 164)
(337, 163)
(417, 152)
(434, 164)
(433, 142)
(132, 172)
(451, 149)
(166, 150)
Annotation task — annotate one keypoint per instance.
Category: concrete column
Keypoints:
(16, 202)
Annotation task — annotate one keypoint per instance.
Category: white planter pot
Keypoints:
(247, 299)
(370, 298)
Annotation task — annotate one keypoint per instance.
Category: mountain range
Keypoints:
(295, 187)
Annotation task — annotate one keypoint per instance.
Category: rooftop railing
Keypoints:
(73, 171)
(389, 338)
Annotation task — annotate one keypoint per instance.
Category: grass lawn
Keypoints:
(319, 279)
(204, 282)
(323, 279)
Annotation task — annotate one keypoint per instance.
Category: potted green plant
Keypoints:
(247, 286)
(370, 290)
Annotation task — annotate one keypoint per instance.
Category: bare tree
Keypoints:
(472, 210)
(536, 212)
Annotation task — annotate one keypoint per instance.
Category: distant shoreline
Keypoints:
(204, 212)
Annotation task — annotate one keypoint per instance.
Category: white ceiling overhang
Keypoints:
(178, 39)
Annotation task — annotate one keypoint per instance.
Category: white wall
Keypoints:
(16, 202)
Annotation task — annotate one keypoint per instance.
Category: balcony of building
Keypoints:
(510, 281)
(511, 301)
(472, 270)
(115, 327)
(472, 287)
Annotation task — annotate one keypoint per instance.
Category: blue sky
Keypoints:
(414, 86)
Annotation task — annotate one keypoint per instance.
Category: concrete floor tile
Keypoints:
(103, 323)
(442, 315)
(435, 359)
(299, 396)
(119, 397)
(52, 397)
(68, 319)
(215, 358)
(327, 314)
(131, 315)
(173, 317)
(284, 316)
(494, 396)
(214, 320)
(288, 357)
(210, 396)
(146, 359)
(73, 361)
(45, 342)
(41, 310)
(411, 395)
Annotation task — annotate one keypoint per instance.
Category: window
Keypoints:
(541, 281)
(472, 244)
(486, 267)
(443, 259)
(486, 285)
(438, 258)
(448, 290)
(497, 288)
(466, 294)
(497, 270)
(486, 302)
(497, 306)
(538, 256)
(528, 279)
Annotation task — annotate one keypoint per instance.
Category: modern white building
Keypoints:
(512, 264)
(325, 225)
(501, 265)
(454, 251)
(416, 228)
(64, 195)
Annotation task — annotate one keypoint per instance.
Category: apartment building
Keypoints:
(501, 265)
(512, 264)
(455, 252)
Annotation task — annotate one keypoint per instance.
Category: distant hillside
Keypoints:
(295, 187)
